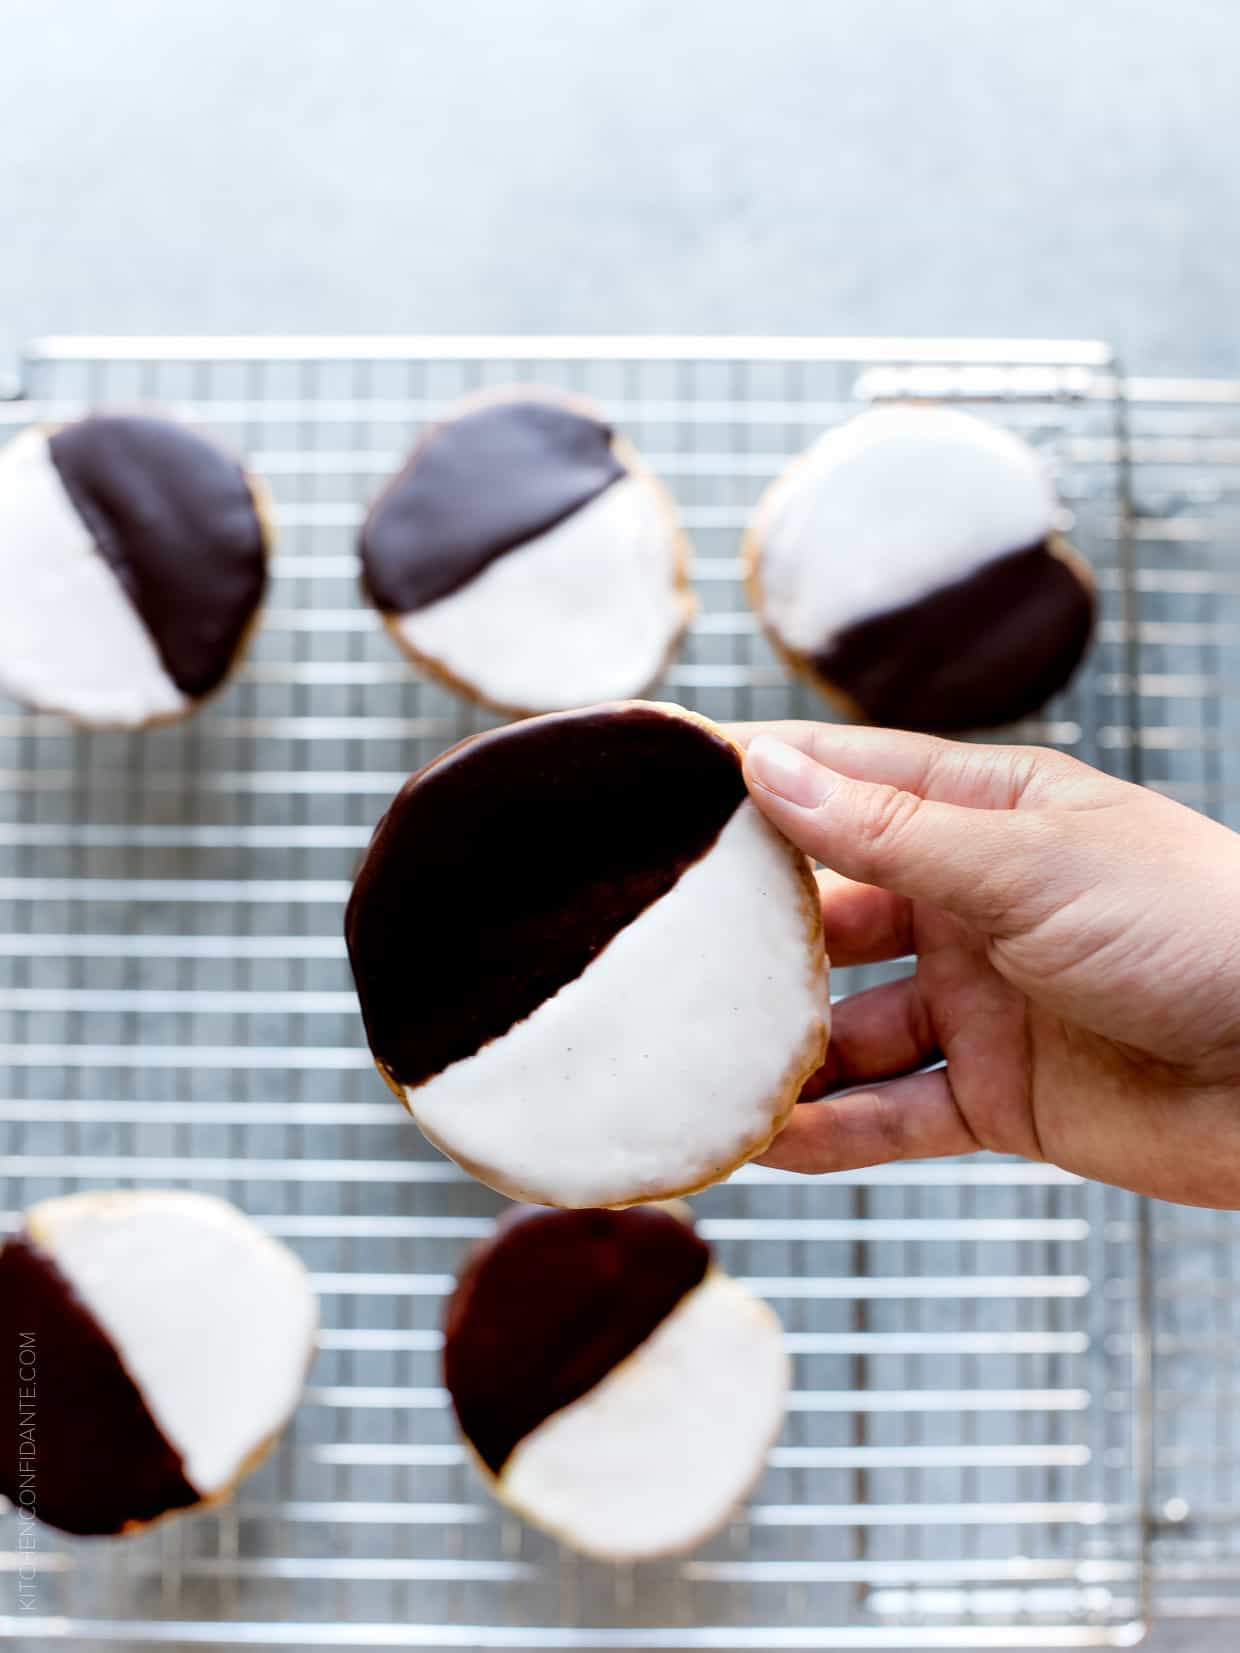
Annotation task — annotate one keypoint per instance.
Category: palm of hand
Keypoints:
(1029, 1080)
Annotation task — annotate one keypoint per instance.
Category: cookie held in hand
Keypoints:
(157, 1341)
(614, 1386)
(527, 557)
(910, 567)
(589, 967)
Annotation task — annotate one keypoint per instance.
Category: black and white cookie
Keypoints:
(588, 966)
(527, 557)
(614, 1386)
(156, 1342)
(132, 564)
(909, 565)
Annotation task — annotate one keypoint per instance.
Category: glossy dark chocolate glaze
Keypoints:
(547, 1308)
(504, 867)
(984, 650)
(175, 520)
(477, 486)
(100, 1460)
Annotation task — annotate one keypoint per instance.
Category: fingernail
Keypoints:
(787, 773)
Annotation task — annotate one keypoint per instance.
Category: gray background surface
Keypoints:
(975, 167)
(981, 167)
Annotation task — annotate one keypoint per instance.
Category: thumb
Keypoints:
(987, 866)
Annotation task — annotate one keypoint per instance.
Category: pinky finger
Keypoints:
(912, 1118)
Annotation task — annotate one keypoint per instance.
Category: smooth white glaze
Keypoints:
(70, 639)
(214, 1320)
(887, 508)
(656, 1456)
(582, 613)
(660, 1065)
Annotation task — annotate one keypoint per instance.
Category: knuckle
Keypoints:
(886, 816)
(889, 1124)
(1046, 770)
(1029, 768)
(941, 763)
(1021, 773)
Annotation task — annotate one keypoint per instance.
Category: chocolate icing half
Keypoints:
(175, 520)
(981, 651)
(479, 485)
(100, 1461)
(544, 1311)
(502, 868)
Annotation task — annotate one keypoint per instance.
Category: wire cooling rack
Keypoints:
(974, 1456)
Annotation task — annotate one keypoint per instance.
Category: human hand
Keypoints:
(1077, 945)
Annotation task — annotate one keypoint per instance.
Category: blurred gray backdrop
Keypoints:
(994, 167)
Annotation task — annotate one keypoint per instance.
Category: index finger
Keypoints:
(948, 771)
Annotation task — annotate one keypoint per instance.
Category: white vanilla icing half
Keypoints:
(887, 508)
(583, 613)
(213, 1319)
(70, 639)
(656, 1456)
(663, 1063)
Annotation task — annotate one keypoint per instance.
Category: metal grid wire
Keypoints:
(1186, 462)
(966, 1461)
